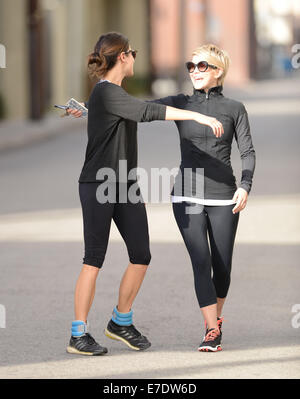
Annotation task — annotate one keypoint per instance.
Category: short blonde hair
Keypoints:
(215, 56)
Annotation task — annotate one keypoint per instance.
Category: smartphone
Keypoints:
(74, 104)
(65, 107)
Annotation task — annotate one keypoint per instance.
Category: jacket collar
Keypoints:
(213, 90)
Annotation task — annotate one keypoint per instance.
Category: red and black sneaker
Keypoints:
(212, 341)
(219, 322)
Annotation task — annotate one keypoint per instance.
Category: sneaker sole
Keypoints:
(75, 351)
(210, 349)
(117, 338)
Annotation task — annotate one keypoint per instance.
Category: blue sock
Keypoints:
(122, 319)
(79, 328)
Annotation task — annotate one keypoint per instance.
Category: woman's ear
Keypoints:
(219, 73)
(122, 57)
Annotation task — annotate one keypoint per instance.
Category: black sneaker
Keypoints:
(127, 334)
(85, 345)
(211, 342)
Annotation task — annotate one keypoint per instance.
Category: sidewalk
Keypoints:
(19, 133)
(259, 97)
(65, 225)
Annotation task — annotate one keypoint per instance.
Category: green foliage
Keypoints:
(138, 85)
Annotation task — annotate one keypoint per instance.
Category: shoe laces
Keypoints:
(212, 334)
(90, 339)
(134, 331)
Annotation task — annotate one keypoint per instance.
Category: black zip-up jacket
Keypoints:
(112, 129)
(201, 149)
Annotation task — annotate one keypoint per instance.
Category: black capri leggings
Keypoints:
(130, 219)
(218, 224)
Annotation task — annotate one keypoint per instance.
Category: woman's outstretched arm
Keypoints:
(175, 114)
(172, 113)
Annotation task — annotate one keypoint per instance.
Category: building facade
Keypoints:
(47, 42)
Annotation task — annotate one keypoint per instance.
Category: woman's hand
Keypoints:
(216, 126)
(240, 197)
(74, 112)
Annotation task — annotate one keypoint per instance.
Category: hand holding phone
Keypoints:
(75, 105)
(75, 108)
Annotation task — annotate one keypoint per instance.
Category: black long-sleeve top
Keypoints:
(201, 149)
(112, 129)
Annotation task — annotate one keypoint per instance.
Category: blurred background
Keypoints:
(47, 43)
(44, 46)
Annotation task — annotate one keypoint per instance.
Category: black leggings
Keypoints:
(130, 219)
(219, 224)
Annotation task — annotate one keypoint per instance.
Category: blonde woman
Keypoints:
(208, 218)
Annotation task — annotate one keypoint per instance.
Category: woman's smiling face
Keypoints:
(204, 80)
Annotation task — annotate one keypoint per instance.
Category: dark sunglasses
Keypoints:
(202, 66)
(133, 52)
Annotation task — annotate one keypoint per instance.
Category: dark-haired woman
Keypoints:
(112, 128)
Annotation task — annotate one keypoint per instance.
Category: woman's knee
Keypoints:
(94, 257)
(140, 257)
(222, 284)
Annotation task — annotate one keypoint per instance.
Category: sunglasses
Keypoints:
(133, 52)
(202, 66)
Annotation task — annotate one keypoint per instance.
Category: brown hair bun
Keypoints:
(105, 54)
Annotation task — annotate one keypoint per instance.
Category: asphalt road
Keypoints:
(41, 254)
